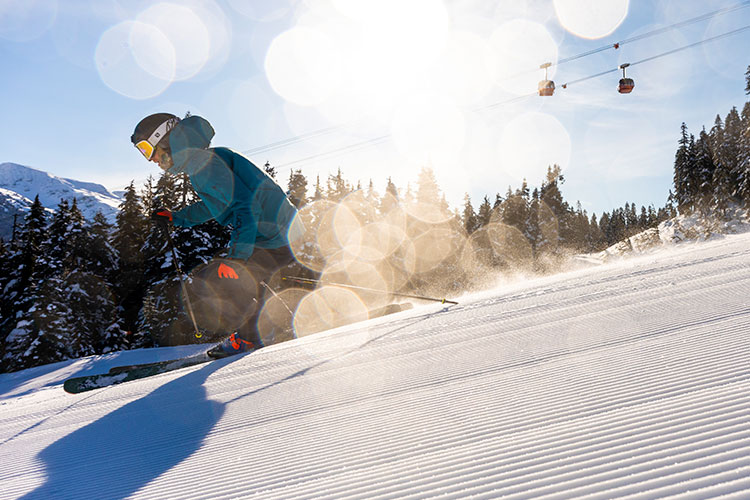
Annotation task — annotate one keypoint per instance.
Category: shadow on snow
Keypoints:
(125, 450)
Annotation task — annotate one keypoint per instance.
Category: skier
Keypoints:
(228, 293)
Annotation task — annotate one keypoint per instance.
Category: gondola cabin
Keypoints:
(546, 87)
(626, 85)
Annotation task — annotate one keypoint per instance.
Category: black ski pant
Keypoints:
(227, 301)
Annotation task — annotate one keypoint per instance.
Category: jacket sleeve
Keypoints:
(192, 215)
(242, 241)
(214, 184)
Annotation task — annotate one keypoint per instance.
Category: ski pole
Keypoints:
(420, 297)
(170, 244)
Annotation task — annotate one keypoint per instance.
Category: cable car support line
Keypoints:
(669, 52)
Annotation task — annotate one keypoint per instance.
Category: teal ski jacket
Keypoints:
(232, 191)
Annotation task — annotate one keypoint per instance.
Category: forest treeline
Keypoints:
(73, 287)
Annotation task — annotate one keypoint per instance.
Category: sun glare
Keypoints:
(135, 59)
(303, 66)
(530, 143)
(517, 47)
(591, 18)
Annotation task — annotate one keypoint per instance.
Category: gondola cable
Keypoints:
(323, 131)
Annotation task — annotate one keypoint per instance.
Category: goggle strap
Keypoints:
(160, 131)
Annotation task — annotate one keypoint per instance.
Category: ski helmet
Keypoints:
(151, 131)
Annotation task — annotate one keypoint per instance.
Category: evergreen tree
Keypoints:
(110, 335)
(743, 162)
(643, 221)
(469, 217)
(484, 215)
(271, 171)
(21, 293)
(684, 190)
(498, 202)
(372, 196)
(515, 210)
(57, 244)
(89, 311)
(729, 151)
(631, 220)
(5, 276)
(552, 197)
(79, 241)
(297, 188)
(604, 229)
(722, 178)
(428, 192)
(318, 195)
(390, 199)
(101, 253)
(534, 233)
(548, 239)
(338, 187)
(594, 237)
(127, 240)
(704, 164)
(580, 229)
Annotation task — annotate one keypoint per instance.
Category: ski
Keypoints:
(188, 359)
(120, 374)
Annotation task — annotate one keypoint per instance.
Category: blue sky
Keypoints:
(424, 75)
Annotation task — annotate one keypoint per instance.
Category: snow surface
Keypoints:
(629, 379)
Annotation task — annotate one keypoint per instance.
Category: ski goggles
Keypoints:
(148, 146)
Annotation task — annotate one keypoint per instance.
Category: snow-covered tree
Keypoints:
(390, 200)
(297, 188)
(722, 178)
(704, 165)
(484, 214)
(743, 162)
(469, 216)
(127, 240)
(338, 187)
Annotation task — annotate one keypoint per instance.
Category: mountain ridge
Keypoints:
(20, 184)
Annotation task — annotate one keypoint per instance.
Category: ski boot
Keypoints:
(230, 346)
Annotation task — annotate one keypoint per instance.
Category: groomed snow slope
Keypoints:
(630, 380)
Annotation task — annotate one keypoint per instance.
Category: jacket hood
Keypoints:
(187, 138)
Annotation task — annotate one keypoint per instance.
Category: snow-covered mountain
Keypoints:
(27, 183)
(629, 379)
(11, 203)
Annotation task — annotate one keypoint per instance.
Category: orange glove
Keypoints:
(161, 215)
(227, 272)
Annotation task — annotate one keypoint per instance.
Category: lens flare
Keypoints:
(532, 142)
(591, 20)
(275, 321)
(262, 10)
(510, 245)
(135, 59)
(303, 66)
(26, 20)
(306, 249)
(326, 308)
(462, 69)
(549, 229)
(429, 129)
(514, 46)
(186, 32)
